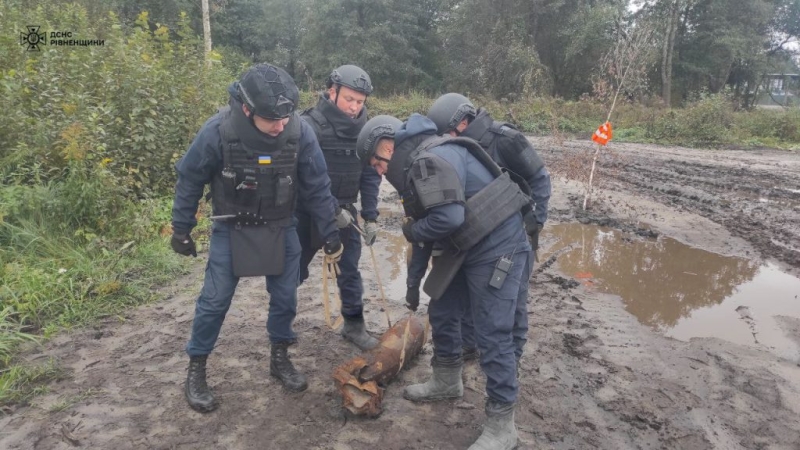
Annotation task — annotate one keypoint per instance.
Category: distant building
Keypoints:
(779, 89)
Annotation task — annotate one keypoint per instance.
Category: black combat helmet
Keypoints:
(449, 110)
(351, 76)
(374, 130)
(268, 92)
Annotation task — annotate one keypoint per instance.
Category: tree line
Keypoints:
(501, 48)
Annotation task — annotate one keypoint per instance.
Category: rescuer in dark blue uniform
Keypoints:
(459, 201)
(337, 119)
(455, 115)
(260, 159)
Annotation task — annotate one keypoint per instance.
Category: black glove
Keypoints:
(534, 238)
(183, 244)
(412, 297)
(531, 225)
(407, 229)
(333, 250)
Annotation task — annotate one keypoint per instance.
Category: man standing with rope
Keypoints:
(260, 159)
(337, 119)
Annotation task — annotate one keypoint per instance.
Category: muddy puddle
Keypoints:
(392, 266)
(681, 291)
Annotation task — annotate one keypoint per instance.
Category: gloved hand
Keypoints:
(370, 232)
(344, 218)
(535, 238)
(412, 297)
(407, 224)
(333, 251)
(531, 225)
(183, 244)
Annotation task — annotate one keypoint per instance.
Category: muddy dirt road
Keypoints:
(597, 373)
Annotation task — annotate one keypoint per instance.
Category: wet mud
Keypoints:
(754, 194)
(594, 373)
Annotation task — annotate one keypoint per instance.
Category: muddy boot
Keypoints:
(355, 331)
(445, 382)
(469, 353)
(499, 431)
(281, 368)
(197, 392)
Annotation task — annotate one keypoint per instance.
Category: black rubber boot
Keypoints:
(197, 392)
(355, 331)
(445, 382)
(469, 353)
(281, 368)
(499, 431)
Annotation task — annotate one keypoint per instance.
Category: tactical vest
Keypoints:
(507, 145)
(344, 167)
(485, 210)
(257, 182)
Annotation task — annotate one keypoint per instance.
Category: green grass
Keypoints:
(64, 283)
(19, 384)
(53, 280)
(68, 401)
(11, 337)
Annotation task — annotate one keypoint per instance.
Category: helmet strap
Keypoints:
(251, 117)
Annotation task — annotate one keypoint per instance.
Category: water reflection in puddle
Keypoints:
(682, 291)
(391, 253)
(397, 248)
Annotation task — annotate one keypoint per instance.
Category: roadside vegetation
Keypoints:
(710, 121)
(89, 137)
(87, 146)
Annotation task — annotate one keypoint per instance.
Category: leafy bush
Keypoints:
(400, 106)
(711, 121)
(769, 126)
(131, 105)
(87, 148)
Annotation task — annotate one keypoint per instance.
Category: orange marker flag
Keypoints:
(603, 134)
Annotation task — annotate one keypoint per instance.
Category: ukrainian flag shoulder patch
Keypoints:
(265, 159)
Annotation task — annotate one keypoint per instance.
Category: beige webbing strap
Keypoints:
(327, 272)
(380, 286)
(427, 329)
(405, 340)
(408, 323)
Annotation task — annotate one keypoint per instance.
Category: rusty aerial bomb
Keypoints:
(361, 380)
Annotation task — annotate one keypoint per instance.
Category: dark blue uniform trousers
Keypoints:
(350, 284)
(520, 331)
(220, 284)
(493, 314)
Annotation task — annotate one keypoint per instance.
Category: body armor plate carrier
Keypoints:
(258, 183)
(506, 144)
(487, 209)
(338, 144)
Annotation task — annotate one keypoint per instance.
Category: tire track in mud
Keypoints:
(595, 377)
(605, 403)
(755, 195)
